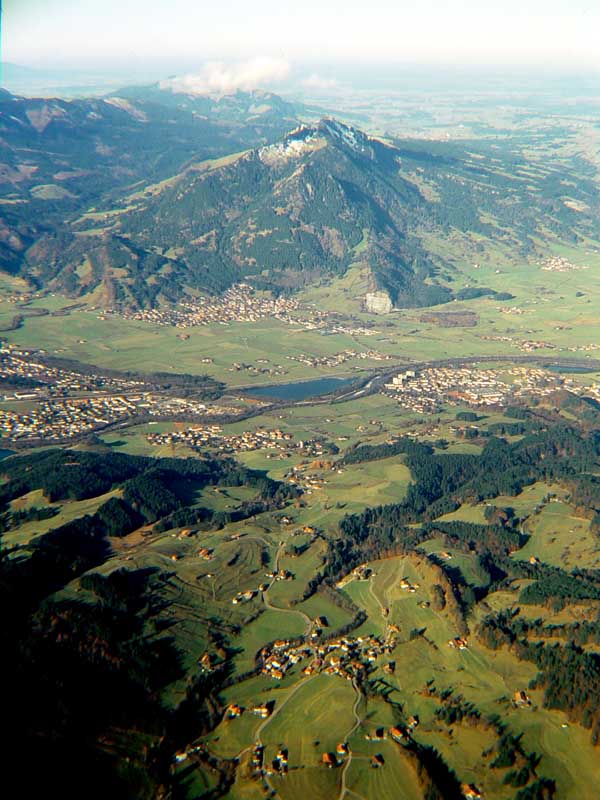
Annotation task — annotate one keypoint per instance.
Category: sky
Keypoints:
(176, 35)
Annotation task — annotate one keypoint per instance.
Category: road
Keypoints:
(270, 605)
(258, 735)
(346, 767)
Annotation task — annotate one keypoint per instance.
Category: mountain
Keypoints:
(59, 157)
(168, 218)
(282, 216)
(255, 107)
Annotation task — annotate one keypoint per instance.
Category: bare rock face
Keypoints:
(378, 302)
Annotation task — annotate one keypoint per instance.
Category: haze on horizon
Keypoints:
(175, 36)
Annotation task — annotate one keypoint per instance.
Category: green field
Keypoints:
(549, 308)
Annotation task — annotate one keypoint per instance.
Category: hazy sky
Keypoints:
(94, 33)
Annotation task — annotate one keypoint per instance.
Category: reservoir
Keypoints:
(300, 390)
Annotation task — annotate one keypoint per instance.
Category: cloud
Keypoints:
(215, 77)
(318, 82)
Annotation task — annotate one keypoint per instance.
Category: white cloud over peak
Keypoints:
(216, 77)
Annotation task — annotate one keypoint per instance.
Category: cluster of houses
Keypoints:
(250, 594)
(560, 264)
(59, 419)
(511, 310)
(253, 369)
(244, 597)
(401, 734)
(470, 791)
(240, 303)
(524, 345)
(429, 389)
(521, 699)
(264, 710)
(17, 365)
(22, 297)
(257, 758)
(584, 348)
(347, 657)
(300, 476)
(336, 359)
(363, 572)
(280, 575)
(207, 662)
(203, 436)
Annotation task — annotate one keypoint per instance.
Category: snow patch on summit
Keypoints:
(300, 141)
(350, 137)
(308, 138)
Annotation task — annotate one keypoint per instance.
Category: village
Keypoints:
(242, 303)
(337, 359)
(347, 657)
(38, 379)
(239, 303)
(202, 436)
(559, 264)
(62, 419)
(264, 366)
(352, 659)
(526, 345)
(427, 391)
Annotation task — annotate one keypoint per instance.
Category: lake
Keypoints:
(300, 390)
(6, 453)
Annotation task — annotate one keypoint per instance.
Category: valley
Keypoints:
(301, 496)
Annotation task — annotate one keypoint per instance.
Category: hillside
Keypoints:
(187, 623)
(306, 208)
(59, 157)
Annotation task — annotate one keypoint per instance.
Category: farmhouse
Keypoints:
(263, 710)
(521, 699)
(398, 735)
(470, 791)
(459, 642)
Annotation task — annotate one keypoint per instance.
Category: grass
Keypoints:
(320, 708)
(487, 678)
(561, 538)
(268, 626)
(320, 606)
(397, 780)
(69, 510)
(465, 562)
(303, 567)
(313, 721)
(551, 312)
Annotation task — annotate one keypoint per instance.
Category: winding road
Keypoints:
(270, 605)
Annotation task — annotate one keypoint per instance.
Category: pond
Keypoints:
(300, 390)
